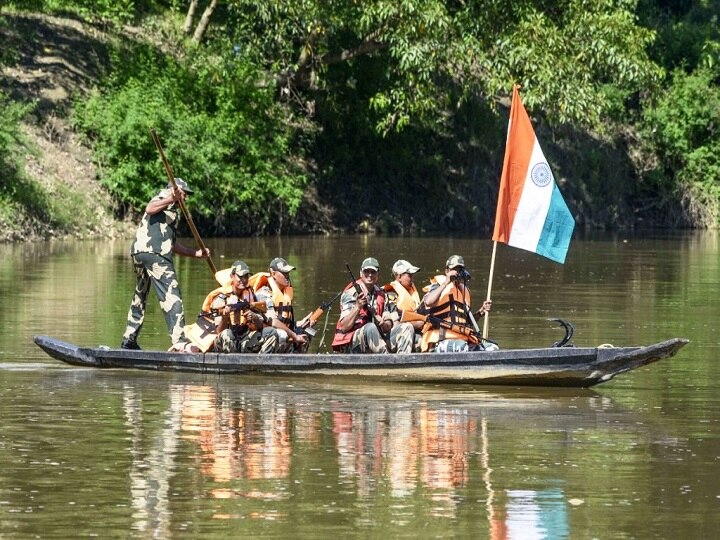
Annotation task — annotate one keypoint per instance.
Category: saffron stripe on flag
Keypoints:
(518, 151)
(531, 213)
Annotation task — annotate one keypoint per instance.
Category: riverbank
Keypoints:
(49, 62)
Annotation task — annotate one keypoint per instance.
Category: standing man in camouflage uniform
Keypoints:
(152, 251)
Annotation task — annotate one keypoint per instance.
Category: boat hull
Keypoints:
(568, 366)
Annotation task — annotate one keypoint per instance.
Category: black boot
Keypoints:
(129, 344)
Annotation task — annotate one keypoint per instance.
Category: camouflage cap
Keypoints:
(370, 262)
(455, 260)
(240, 268)
(182, 184)
(280, 265)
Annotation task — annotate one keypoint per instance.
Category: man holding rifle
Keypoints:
(239, 323)
(152, 251)
(448, 300)
(368, 324)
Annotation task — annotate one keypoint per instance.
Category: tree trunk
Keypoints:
(204, 21)
(187, 25)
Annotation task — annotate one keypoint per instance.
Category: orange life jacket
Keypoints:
(406, 300)
(451, 306)
(376, 298)
(212, 295)
(282, 299)
(204, 331)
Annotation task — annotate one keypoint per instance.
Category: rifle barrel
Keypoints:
(326, 305)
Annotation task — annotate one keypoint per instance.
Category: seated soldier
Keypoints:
(448, 300)
(403, 293)
(366, 324)
(252, 335)
(223, 324)
(275, 289)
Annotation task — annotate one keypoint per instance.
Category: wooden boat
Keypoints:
(553, 366)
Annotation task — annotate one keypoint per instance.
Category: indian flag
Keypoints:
(531, 213)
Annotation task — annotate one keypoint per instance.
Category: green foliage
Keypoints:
(220, 131)
(396, 106)
(25, 205)
(12, 185)
(683, 129)
(434, 54)
(688, 33)
(106, 11)
(566, 64)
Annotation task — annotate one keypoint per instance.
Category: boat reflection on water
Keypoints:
(152, 466)
(421, 446)
(237, 440)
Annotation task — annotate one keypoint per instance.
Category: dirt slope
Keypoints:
(49, 61)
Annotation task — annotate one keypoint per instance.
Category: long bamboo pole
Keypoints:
(188, 217)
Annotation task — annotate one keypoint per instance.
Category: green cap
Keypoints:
(370, 262)
(182, 184)
(281, 265)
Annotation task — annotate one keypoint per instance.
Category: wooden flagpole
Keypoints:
(486, 321)
(188, 217)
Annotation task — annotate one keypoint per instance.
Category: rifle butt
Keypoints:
(315, 315)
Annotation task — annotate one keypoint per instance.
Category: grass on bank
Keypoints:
(31, 209)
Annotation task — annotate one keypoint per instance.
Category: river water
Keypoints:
(124, 454)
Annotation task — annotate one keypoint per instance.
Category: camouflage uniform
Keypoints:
(264, 341)
(248, 336)
(151, 252)
(417, 335)
(453, 345)
(367, 338)
(283, 313)
(284, 345)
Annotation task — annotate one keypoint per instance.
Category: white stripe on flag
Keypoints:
(533, 208)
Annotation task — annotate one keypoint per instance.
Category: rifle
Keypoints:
(204, 331)
(317, 313)
(257, 307)
(371, 310)
(473, 336)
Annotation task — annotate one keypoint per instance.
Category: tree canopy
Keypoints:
(576, 60)
(263, 102)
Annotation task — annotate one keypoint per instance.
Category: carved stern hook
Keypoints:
(565, 341)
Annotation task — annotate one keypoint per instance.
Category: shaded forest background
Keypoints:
(321, 116)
